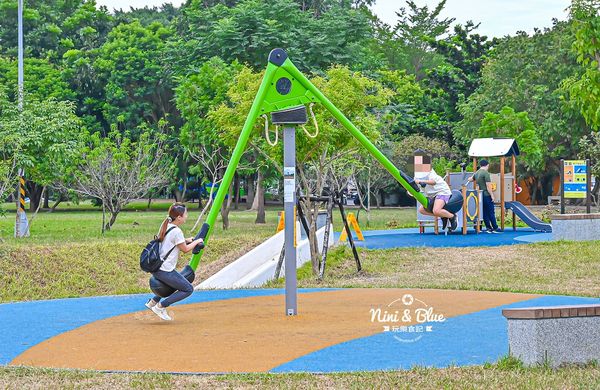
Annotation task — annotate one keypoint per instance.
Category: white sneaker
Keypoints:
(161, 312)
(150, 304)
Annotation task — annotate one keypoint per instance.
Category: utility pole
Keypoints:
(21, 228)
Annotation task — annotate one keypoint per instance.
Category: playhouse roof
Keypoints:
(493, 147)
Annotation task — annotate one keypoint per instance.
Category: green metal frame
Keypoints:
(299, 91)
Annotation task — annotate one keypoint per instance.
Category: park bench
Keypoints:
(555, 335)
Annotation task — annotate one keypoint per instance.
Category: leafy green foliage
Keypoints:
(44, 80)
(408, 44)
(590, 148)
(525, 73)
(584, 89)
(53, 26)
(249, 30)
(10, 146)
(510, 124)
(182, 65)
(137, 88)
(46, 133)
(405, 148)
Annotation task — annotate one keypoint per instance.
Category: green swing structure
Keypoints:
(284, 93)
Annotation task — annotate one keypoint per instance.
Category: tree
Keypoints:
(510, 124)
(452, 82)
(404, 149)
(356, 95)
(465, 53)
(52, 27)
(584, 90)
(138, 85)
(165, 14)
(410, 39)
(48, 130)
(247, 31)
(590, 148)
(44, 80)
(211, 165)
(10, 147)
(227, 120)
(196, 95)
(116, 170)
(525, 73)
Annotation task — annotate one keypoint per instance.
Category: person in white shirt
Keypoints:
(172, 243)
(438, 192)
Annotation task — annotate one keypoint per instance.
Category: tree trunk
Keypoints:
(58, 201)
(377, 200)
(260, 199)
(113, 218)
(250, 197)
(184, 190)
(103, 218)
(149, 203)
(35, 194)
(236, 190)
(46, 199)
(225, 207)
(315, 253)
(178, 195)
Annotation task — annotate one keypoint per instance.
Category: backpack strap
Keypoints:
(170, 250)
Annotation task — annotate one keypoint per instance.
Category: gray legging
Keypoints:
(183, 288)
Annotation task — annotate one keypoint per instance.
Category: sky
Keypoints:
(497, 17)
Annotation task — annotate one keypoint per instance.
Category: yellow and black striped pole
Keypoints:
(21, 224)
(21, 194)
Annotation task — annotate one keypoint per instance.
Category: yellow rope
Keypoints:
(312, 114)
(267, 132)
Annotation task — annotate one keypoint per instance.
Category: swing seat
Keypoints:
(455, 203)
(163, 290)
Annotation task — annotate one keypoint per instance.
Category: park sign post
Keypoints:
(575, 182)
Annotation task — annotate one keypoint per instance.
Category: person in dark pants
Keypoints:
(172, 242)
(484, 182)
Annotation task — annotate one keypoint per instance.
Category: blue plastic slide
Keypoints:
(527, 216)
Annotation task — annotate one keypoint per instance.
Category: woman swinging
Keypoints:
(172, 243)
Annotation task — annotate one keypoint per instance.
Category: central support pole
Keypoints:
(289, 196)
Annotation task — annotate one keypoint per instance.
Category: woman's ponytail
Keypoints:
(163, 229)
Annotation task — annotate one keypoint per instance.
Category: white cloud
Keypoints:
(497, 17)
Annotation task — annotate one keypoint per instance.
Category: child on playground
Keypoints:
(438, 192)
(484, 182)
(172, 242)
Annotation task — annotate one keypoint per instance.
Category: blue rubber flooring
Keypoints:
(403, 238)
(471, 339)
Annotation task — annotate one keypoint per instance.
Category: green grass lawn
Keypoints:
(499, 375)
(565, 268)
(66, 256)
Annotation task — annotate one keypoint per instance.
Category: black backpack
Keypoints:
(150, 260)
